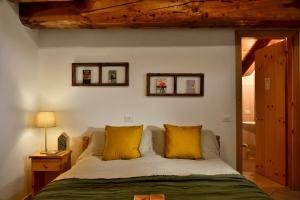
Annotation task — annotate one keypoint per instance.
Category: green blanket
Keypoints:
(196, 187)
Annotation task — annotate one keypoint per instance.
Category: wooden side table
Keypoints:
(46, 168)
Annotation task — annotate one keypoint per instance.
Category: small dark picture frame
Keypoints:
(181, 84)
(100, 74)
(87, 76)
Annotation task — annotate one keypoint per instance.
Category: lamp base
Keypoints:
(52, 152)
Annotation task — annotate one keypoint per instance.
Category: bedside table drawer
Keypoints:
(46, 165)
(45, 168)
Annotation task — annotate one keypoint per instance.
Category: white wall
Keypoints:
(209, 51)
(18, 94)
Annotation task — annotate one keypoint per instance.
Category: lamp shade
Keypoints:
(45, 120)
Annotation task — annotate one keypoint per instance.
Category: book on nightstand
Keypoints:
(53, 153)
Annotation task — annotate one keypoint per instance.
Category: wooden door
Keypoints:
(270, 87)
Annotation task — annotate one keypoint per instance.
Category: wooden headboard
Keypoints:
(86, 140)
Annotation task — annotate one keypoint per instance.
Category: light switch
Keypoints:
(227, 118)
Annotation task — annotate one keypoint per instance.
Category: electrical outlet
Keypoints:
(128, 118)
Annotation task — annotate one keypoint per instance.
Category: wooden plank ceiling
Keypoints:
(159, 13)
(249, 46)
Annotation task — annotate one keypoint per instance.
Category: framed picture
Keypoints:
(115, 74)
(86, 74)
(175, 84)
(112, 76)
(160, 84)
(190, 84)
(100, 74)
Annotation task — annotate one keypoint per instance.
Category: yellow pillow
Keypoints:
(183, 142)
(122, 142)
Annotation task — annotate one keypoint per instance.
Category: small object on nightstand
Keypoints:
(63, 142)
(46, 167)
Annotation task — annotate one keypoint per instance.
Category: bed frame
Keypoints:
(86, 140)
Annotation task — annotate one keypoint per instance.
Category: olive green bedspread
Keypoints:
(216, 187)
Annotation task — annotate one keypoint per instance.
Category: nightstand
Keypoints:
(46, 168)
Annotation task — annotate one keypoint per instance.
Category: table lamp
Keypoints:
(45, 120)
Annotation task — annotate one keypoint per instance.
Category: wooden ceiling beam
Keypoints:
(160, 13)
(250, 56)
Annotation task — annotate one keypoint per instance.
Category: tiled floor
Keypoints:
(275, 190)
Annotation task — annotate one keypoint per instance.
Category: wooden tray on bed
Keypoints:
(149, 197)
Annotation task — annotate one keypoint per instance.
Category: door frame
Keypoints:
(292, 99)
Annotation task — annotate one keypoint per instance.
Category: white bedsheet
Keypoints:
(91, 167)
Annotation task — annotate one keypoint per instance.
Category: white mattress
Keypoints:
(92, 167)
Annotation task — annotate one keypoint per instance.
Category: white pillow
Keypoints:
(146, 142)
(97, 142)
(209, 144)
(158, 140)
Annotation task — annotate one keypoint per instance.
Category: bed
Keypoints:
(92, 178)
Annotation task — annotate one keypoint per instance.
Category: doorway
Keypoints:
(263, 125)
(267, 100)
